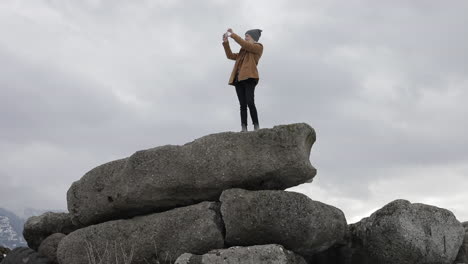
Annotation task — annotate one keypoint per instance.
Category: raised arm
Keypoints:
(227, 49)
(251, 47)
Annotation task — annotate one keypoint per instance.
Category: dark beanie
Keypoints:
(254, 33)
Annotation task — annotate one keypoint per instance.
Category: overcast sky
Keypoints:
(384, 84)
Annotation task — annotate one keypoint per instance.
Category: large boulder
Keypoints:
(49, 247)
(38, 228)
(462, 256)
(169, 176)
(146, 239)
(406, 233)
(262, 254)
(24, 255)
(279, 217)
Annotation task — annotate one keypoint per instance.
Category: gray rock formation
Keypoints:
(48, 247)
(38, 228)
(462, 256)
(406, 233)
(279, 217)
(170, 176)
(147, 239)
(262, 254)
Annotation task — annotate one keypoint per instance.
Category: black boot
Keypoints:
(244, 128)
(256, 126)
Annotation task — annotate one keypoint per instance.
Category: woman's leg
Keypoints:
(240, 90)
(250, 98)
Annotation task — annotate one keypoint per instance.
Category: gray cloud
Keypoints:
(383, 84)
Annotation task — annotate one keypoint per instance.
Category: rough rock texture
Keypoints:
(170, 176)
(462, 256)
(156, 237)
(24, 255)
(406, 233)
(263, 254)
(48, 247)
(279, 217)
(38, 228)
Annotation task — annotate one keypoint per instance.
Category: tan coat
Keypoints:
(250, 53)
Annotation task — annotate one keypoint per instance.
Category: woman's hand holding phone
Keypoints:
(227, 34)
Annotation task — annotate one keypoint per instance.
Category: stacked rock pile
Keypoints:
(221, 199)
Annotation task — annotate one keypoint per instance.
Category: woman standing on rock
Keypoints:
(244, 75)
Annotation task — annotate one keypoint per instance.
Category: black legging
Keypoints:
(245, 90)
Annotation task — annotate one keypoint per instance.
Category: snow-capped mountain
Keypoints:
(11, 230)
